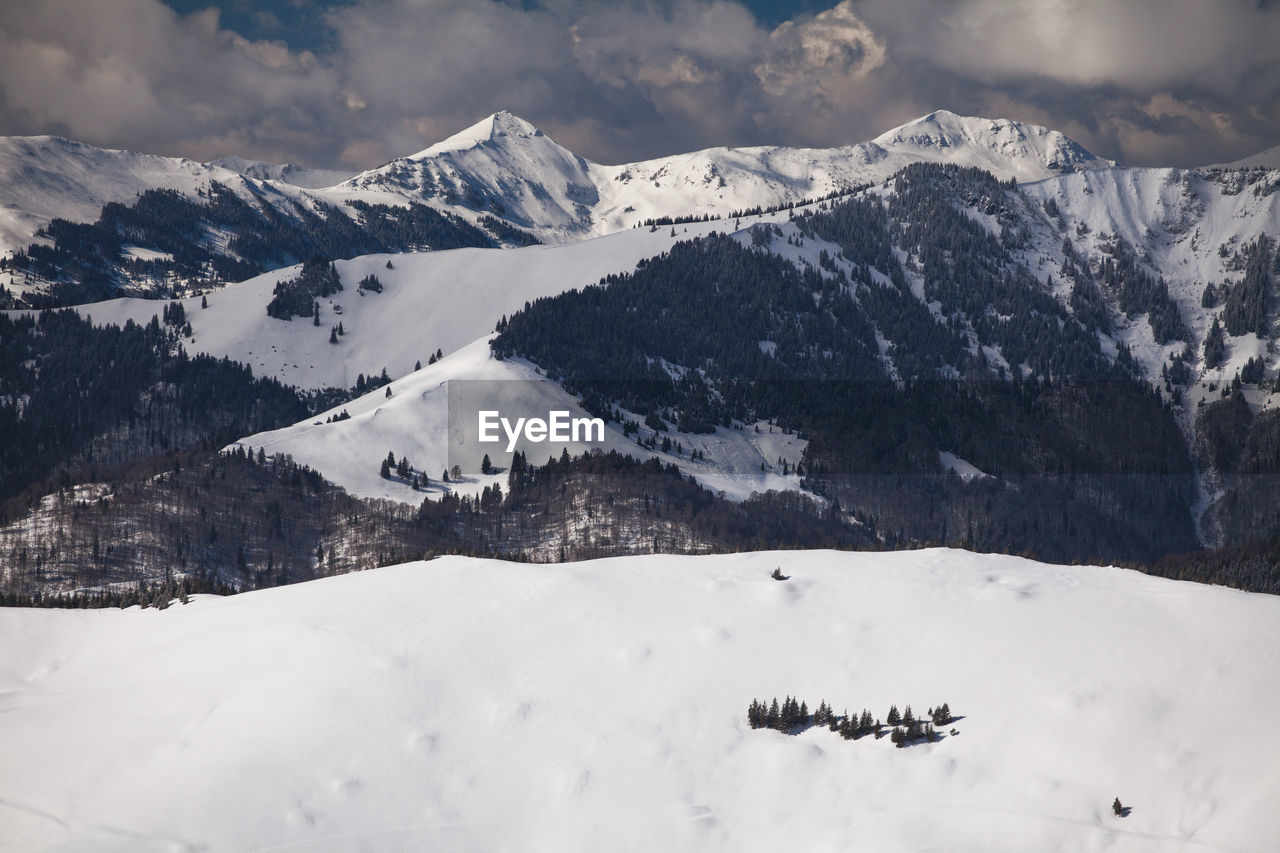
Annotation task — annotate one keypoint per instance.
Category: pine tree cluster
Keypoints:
(1245, 308)
(403, 471)
(792, 716)
(297, 297)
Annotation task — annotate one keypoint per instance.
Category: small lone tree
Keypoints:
(1117, 809)
(486, 467)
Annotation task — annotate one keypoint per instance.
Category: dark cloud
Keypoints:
(1145, 81)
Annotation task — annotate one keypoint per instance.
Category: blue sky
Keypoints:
(353, 83)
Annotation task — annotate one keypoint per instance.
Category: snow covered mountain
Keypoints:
(468, 704)
(506, 166)
(500, 170)
(47, 177)
(502, 165)
(1185, 227)
(1124, 254)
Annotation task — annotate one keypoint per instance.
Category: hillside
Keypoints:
(996, 266)
(479, 705)
(1086, 247)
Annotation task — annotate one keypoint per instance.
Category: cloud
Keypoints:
(133, 73)
(1176, 81)
(1119, 73)
(1138, 44)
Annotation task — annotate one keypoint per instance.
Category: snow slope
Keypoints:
(468, 705)
(1190, 228)
(415, 423)
(47, 177)
(433, 300)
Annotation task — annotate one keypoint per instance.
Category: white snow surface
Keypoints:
(475, 705)
(414, 422)
(963, 468)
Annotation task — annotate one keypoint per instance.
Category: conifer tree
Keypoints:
(1214, 345)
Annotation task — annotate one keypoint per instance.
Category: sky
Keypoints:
(353, 83)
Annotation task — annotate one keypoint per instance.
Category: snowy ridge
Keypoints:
(475, 705)
(47, 177)
(505, 167)
(1003, 147)
(508, 167)
(1268, 159)
(288, 173)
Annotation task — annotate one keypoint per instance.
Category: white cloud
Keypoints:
(1179, 80)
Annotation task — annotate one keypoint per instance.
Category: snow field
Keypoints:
(467, 704)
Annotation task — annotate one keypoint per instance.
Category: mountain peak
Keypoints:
(500, 125)
(1021, 146)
